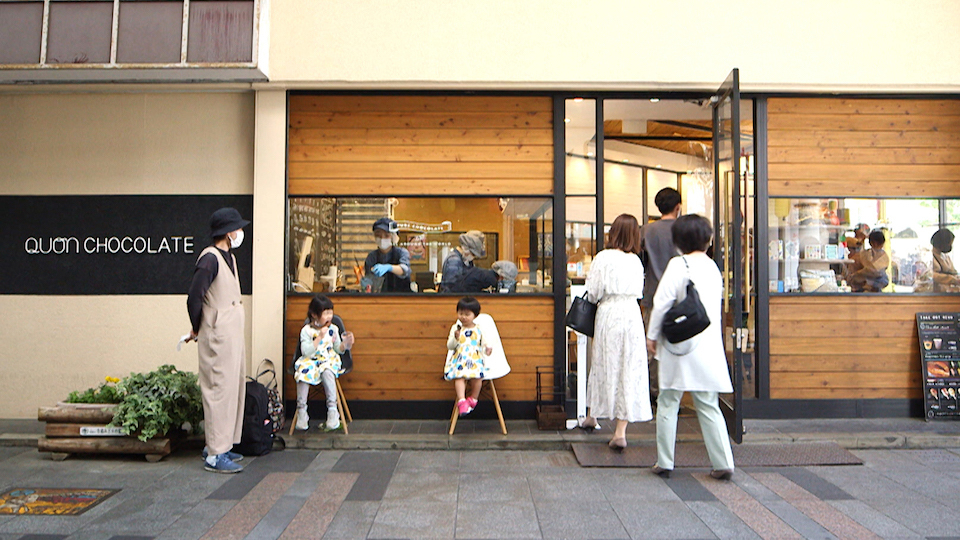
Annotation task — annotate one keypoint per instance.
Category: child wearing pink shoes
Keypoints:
(469, 346)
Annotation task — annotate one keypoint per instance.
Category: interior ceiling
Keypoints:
(692, 137)
(679, 126)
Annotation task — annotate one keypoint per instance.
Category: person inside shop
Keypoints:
(389, 261)
(656, 250)
(507, 274)
(855, 244)
(945, 278)
(869, 270)
(217, 323)
(472, 246)
(500, 278)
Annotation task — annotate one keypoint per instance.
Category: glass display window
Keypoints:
(333, 244)
(842, 245)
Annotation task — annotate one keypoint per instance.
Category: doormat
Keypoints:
(52, 501)
(695, 455)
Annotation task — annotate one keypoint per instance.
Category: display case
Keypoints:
(821, 245)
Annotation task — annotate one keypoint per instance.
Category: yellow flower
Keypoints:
(112, 379)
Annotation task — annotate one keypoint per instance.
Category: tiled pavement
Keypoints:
(898, 493)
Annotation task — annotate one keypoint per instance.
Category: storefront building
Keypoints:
(343, 117)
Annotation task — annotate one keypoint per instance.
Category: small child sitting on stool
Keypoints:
(320, 346)
(469, 347)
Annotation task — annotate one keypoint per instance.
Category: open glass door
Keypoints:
(731, 243)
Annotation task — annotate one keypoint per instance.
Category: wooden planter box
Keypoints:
(80, 428)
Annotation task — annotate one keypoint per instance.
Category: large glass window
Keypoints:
(852, 245)
(333, 245)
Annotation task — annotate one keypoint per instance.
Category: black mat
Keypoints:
(695, 455)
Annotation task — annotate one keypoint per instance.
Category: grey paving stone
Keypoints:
(489, 461)
(428, 459)
(375, 468)
(876, 521)
(497, 520)
(197, 521)
(353, 520)
(721, 521)
(649, 521)
(586, 518)
(816, 485)
(423, 487)
(434, 428)
(42, 537)
(95, 535)
(406, 427)
(396, 519)
(130, 537)
(807, 527)
(272, 525)
(7, 452)
(574, 485)
(493, 487)
(688, 488)
(553, 460)
(634, 485)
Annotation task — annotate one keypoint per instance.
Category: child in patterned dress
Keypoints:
(469, 347)
(321, 346)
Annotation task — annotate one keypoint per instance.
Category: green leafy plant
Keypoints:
(105, 393)
(154, 403)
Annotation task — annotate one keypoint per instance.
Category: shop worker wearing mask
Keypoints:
(389, 261)
(472, 246)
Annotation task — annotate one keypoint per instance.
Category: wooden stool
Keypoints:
(496, 403)
(342, 408)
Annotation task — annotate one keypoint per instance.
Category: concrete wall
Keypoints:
(116, 143)
(815, 45)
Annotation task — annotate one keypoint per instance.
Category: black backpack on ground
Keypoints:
(257, 437)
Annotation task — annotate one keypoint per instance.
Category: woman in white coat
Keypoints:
(697, 365)
(617, 386)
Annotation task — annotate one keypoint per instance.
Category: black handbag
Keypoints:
(686, 318)
(582, 315)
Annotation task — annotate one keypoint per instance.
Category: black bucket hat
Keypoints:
(226, 220)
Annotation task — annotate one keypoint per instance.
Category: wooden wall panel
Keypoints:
(848, 347)
(420, 145)
(401, 344)
(825, 147)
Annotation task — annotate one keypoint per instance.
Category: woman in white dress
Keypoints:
(699, 364)
(617, 386)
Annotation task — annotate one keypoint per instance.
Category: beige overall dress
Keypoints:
(222, 357)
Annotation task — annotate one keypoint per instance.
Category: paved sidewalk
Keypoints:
(336, 494)
(475, 434)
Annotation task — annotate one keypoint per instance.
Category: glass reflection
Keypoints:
(426, 245)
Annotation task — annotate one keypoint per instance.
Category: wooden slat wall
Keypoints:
(401, 344)
(420, 145)
(848, 347)
(823, 147)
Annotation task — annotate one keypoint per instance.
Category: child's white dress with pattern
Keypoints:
(309, 366)
(466, 362)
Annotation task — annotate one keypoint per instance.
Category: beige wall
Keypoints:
(813, 44)
(122, 143)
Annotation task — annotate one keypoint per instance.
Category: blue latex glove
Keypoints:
(381, 269)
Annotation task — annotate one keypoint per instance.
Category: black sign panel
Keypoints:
(111, 244)
(940, 362)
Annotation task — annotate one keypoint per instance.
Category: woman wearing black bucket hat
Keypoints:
(217, 325)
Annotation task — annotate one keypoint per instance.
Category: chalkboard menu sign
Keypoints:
(940, 361)
(111, 244)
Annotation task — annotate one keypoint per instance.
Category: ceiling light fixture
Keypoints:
(567, 120)
(654, 100)
(577, 99)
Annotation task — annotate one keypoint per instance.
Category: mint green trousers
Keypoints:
(712, 425)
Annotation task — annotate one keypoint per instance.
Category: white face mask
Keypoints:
(467, 256)
(237, 240)
(384, 243)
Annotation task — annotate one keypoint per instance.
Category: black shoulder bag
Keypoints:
(582, 315)
(686, 318)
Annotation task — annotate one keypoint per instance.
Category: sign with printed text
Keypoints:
(940, 364)
(111, 244)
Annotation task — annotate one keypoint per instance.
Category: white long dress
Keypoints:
(618, 386)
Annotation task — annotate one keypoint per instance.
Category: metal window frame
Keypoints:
(115, 25)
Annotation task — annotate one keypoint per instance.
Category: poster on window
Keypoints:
(940, 363)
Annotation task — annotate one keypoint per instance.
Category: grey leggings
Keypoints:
(329, 381)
